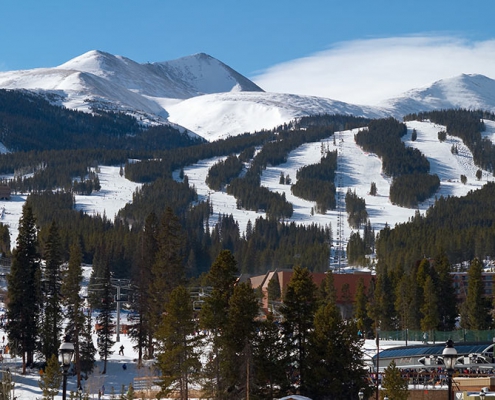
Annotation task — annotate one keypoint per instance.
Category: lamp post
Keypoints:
(66, 351)
(449, 358)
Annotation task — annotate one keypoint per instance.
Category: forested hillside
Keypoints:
(409, 168)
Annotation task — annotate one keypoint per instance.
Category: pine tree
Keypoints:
(269, 360)
(476, 304)
(178, 359)
(74, 304)
(373, 189)
(364, 322)
(104, 319)
(24, 290)
(142, 331)
(298, 312)
(429, 308)
(237, 359)
(51, 378)
(51, 321)
(328, 292)
(87, 349)
(168, 270)
(394, 385)
(273, 289)
(214, 316)
(335, 356)
(447, 299)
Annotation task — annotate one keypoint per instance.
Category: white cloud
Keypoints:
(368, 71)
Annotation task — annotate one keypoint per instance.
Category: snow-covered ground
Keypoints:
(357, 169)
(115, 193)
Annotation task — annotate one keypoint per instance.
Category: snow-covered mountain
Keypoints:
(212, 100)
(103, 80)
(470, 92)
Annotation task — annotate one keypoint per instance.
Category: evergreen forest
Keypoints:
(164, 246)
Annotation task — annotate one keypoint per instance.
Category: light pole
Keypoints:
(449, 358)
(66, 351)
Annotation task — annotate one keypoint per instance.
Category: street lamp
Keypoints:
(449, 354)
(66, 351)
(361, 394)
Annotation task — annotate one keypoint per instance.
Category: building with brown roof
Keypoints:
(345, 285)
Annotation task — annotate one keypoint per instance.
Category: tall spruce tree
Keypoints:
(168, 270)
(24, 290)
(269, 358)
(364, 322)
(447, 306)
(71, 289)
(178, 358)
(476, 304)
(214, 317)
(51, 379)
(104, 319)
(238, 366)
(298, 312)
(429, 308)
(335, 357)
(51, 320)
(142, 330)
(87, 350)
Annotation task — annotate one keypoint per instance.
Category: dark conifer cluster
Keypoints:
(316, 183)
(467, 125)
(29, 122)
(355, 207)
(409, 168)
(222, 172)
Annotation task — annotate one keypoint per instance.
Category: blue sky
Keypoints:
(254, 37)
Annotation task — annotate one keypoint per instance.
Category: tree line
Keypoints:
(315, 182)
(407, 166)
(467, 125)
(31, 123)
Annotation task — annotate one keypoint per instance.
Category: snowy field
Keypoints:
(356, 171)
(115, 193)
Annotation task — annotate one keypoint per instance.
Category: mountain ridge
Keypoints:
(207, 97)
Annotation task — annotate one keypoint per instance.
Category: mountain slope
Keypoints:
(211, 99)
(198, 92)
(470, 92)
(228, 114)
(357, 170)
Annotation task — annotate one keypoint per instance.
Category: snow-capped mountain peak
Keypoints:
(213, 100)
(96, 62)
(206, 74)
(468, 91)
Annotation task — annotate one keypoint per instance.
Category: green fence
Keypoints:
(460, 335)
